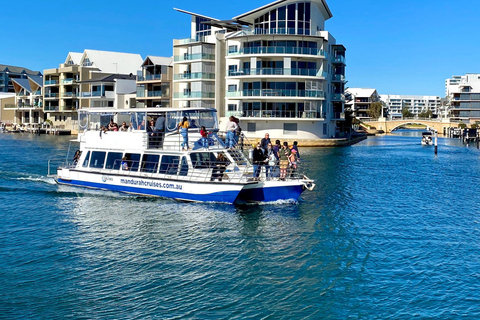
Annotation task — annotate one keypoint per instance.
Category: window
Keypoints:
(113, 160)
(289, 128)
(232, 49)
(184, 167)
(85, 162)
(251, 126)
(202, 160)
(133, 161)
(324, 129)
(150, 163)
(232, 87)
(98, 158)
(169, 165)
(232, 107)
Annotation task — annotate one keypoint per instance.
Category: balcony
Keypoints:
(196, 56)
(150, 77)
(280, 50)
(69, 95)
(286, 31)
(338, 78)
(189, 40)
(194, 75)
(67, 81)
(51, 95)
(280, 114)
(155, 94)
(50, 108)
(276, 93)
(201, 95)
(97, 94)
(338, 97)
(339, 59)
(278, 72)
(37, 93)
(51, 82)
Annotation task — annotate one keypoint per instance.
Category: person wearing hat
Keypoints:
(292, 158)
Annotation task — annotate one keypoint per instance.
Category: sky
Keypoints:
(397, 47)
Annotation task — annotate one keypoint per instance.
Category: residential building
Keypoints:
(465, 98)
(28, 107)
(154, 82)
(451, 85)
(7, 101)
(415, 104)
(359, 100)
(82, 81)
(275, 68)
(7, 73)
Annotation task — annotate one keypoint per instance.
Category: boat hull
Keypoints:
(271, 191)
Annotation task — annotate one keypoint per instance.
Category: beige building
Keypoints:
(7, 102)
(154, 83)
(80, 82)
(28, 106)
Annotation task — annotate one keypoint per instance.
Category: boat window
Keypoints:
(202, 160)
(133, 161)
(98, 158)
(113, 160)
(169, 165)
(150, 163)
(184, 167)
(85, 162)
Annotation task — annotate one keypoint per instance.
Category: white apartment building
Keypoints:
(464, 98)
(415, 104)
(275, 68)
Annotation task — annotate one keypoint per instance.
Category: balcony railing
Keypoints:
(196, 56)
(150, 77)
(280, 50)
(276, 93)
(281, 114)
(339, 59)
(50, 82)
(190, 40)
(194, 75)
(278, 72)
(69, 94)
(67, 81)
(51, 95)
(154, 94)
(50, 108)
(207, 95)
(91, 94)
(338, 97)
(37, 93)
(261, 31)
(338, 77)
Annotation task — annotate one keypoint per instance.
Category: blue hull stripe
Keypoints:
(225, 196)
(268, 194)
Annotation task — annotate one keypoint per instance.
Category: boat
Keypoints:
(427, 138)
(151, 161)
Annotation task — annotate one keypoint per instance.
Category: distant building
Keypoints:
(464, 98)
(359, 100)
(28, 107)
(7, 102)
(415, 104)
(8, 73)
(82, 81)
(154, 82)
(274, 67)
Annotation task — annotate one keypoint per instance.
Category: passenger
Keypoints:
(238, 131)
(284, 153)
(183, 128)
(271, 162)
(142, 125)
(230, 132)
(295, 147)
(115, 127)
(221, 164)
(265, 141)
(258, 160)
(160, 124)
(151, 129)
(111, 125)
(204, 139)
(292, 162)
(276, 149)
(193, 124)
(124, 163)
(76, 157)
(124, 127)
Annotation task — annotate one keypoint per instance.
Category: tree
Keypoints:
(406, 112)
(375, 110)
(426, 114)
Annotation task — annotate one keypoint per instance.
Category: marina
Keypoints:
(364, 243)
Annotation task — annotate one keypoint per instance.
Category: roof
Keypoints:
(195, 14)
(14, 69)
(24, 83)
(37, 79)
(361, 92)
(158, 61)
(113, 62)
(277, 3)
(75, 57)
(111, 78)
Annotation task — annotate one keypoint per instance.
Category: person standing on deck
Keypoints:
(230, 132)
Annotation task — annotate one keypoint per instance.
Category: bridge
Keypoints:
(382, 124)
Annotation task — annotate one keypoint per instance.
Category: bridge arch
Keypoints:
(410, 122)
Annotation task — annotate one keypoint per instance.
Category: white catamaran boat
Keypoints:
(150, 160)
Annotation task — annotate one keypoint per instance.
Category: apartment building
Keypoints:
(276, 68)
(415, 104)
(464, 98)
(154, 83)
(82, 81)
(8, 73)
(359, 100)
(28, 106)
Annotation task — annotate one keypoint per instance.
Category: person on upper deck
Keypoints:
(204, 139)
(230, 132)
(124, 126)
(258, 159)
(265, 141)
(183, 128)
(284, 155)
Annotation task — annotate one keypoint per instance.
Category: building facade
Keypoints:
(275, 68)
(154, 83)
(359, 100)
(8, 73)
(28, 107)
(464, 98)
(415, 104)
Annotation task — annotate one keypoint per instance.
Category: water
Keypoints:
(390, 232)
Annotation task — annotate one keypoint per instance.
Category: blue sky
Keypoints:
(397, 47)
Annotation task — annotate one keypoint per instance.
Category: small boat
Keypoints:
(427, 138)
(153, 160)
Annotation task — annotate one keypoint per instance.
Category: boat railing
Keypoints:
(54, 164)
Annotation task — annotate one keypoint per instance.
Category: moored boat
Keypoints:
(427, 138)
(155, 160)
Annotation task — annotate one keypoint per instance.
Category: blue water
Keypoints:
(391, 231)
